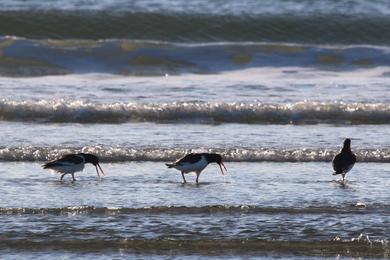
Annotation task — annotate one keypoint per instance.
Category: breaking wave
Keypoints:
(210, 209)
(20, 57)
(63, 111)
(115, 154)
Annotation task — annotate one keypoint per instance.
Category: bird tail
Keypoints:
(170, 165)
(48, 165)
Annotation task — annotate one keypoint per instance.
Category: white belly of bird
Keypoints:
(193, 167)
(69, 168)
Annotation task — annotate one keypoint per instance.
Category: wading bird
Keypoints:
(71, 163)
(345, 160)
(196, 162)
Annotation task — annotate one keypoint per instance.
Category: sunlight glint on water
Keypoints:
(274, 87)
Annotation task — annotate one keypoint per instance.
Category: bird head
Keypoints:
(213, 157)
(90, 158)
(347, 144)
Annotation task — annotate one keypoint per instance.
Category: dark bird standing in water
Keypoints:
(345, 160)
(71, 163)
(196, 162)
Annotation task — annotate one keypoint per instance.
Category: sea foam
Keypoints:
(307, 112)
(118, 154)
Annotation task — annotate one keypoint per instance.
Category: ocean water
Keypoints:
(274, 87)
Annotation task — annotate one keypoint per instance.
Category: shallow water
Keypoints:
(144, 135)
(274, 88)
(147, 203)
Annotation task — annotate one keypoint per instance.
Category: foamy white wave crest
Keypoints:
(116, 154)
(201, 112)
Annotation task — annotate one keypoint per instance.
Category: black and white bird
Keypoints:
(71, 163)
(196, 162)
(345, 160)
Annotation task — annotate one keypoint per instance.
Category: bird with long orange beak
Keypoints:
(71, 163)
(196, 162)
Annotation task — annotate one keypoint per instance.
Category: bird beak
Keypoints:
(223, 167)
(97, 171)
(101, 169)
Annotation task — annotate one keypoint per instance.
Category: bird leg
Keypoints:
(73, 179)
(62, 176)
(184, 179)
(197, 177)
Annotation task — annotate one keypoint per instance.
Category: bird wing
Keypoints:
(342, 162)
(353, 158)
(189, 158)
(65, 160)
